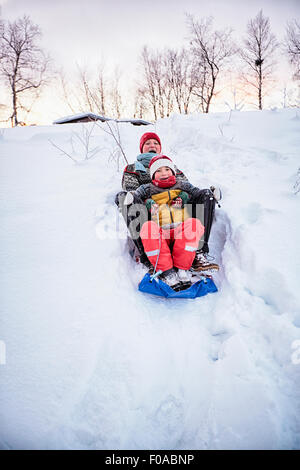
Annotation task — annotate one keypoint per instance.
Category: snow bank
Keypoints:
(90, 362)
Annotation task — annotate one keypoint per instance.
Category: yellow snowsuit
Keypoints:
(168, 214)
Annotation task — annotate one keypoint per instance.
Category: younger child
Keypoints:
(171, 237)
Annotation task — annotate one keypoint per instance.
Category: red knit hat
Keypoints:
(148, 136)
(158, 161)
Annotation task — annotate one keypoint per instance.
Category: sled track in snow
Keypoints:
(165, 367)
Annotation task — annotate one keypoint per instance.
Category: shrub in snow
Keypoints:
(81, 148)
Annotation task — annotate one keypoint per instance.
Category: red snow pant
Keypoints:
(185, 238)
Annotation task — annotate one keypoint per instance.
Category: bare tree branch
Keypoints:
(212, 50)
(63, 152)
(95, 92)
(156, 89)
(113, 130)
(292, 46)
(82, 138)
(140, 102)
(181, 74)
(65, 90)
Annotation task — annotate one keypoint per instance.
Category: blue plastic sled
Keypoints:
(158, 287)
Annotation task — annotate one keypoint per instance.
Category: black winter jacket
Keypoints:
(197, 195)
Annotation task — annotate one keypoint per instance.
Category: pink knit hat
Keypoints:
(158, 161)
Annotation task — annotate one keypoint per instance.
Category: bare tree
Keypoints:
(115, 94)
(94, 91)
(292, 45)
(23, 64)
(257, 54)
(99, 90)
(158, 76)
(150, 92)
(151, 89)
(85, 95)
(212, 50)
(90, 92)
(66, 93)
(2, 26)
(156, 87)
(166, 90)
(181, 74)
(140, 102)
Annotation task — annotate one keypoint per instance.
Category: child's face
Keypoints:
(162, 173)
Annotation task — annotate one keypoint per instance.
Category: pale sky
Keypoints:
(89, 31)
(86, 31)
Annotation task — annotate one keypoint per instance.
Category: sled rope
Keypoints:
(155, 274)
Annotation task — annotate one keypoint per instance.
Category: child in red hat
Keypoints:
(172, 237)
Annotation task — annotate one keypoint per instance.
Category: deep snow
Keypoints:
(91, 363)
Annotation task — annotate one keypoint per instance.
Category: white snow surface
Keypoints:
(88, 361)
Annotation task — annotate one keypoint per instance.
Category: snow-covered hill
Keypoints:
(87, 361)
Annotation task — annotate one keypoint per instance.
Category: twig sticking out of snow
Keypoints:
(221, 126)
(115, 156)
(296, 186)
(62, 150)
(115, 133)
(84, 139)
